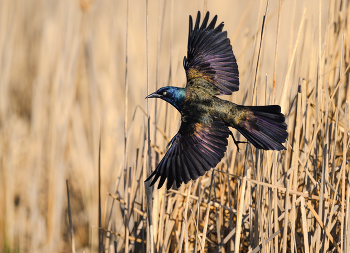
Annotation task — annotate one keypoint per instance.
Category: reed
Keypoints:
(73, 77)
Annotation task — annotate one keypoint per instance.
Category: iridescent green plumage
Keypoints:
(201, 142)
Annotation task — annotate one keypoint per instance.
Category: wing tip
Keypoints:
(209, 44)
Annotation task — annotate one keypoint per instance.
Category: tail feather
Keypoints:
(271, 109)
(266, 129)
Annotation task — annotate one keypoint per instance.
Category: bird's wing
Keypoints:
(210, 56)
(195, 149)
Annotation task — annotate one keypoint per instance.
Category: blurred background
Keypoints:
(74, 73)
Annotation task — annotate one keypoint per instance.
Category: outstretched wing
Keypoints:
(195, 149)
(210, 56)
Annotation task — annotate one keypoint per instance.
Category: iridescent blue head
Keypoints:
(173, 95)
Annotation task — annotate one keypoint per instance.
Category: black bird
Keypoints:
(211, 70)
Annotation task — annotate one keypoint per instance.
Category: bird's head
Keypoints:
(173, 95)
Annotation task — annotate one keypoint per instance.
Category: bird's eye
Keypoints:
(164, 93)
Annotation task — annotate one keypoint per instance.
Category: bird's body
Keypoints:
(201, 106)
(201, 142)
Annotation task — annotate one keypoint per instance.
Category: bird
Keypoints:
(201, 142)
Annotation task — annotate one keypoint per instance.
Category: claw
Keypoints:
(236, 142)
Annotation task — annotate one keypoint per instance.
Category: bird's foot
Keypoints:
(236, 142)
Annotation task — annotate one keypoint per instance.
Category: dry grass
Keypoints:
(74, 74)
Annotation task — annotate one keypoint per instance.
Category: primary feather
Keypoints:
(210, 56)
(196, 149)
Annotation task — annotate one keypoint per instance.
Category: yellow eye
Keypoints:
(164, 93)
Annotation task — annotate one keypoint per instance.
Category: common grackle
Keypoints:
(211, 70)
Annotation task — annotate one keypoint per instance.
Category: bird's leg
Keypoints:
(236, 142)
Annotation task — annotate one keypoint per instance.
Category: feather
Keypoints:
(195, 149)
(266, 130)
(208, 48)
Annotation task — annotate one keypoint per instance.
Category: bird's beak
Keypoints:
(154, 95)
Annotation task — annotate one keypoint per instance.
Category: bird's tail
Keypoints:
(264, 127)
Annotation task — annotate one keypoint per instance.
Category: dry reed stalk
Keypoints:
(339, 82)
(240, 208)
(218, 213)
(318, 116)
(347, 229)
(325, 165)
(334, 207)
(196, 223)
(306, 195)
(186, 236)
(207, 214)
(212, 204)
(223, 199)
(184, 224)
(286, 85)
(70, 220)
(127, 212)
(230, 202)
(267, 240)
(295, 163)
(138, 170)
(150, 242)
(304, 226)
(124, 203)
(100, 234)
(275, 199)
(170, 222)
(259, 53)
(131, 191)
(249, 201)
(345, 148)
(126, 182)
(229, 236)
(159, 40)
(120, 235)
(191, 222)
(257, 174)
(262, 232)
(286, 208)
(330, 237)
(156, 196)
(161, 222)
(166, 225)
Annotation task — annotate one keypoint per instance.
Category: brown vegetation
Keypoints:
(74, 74)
